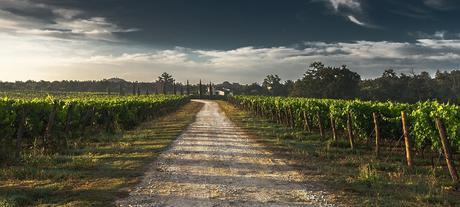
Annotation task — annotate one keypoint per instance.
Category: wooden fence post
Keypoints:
(334, 131)
(320, 125)
(446, 149)
(406, 139)
(306, 125)
(350, 131)
(377, 134)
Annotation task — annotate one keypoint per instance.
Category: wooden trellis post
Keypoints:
(377, 134)
(306, 125)
(320, 125)
(333, 129)
(446, 149)
(406, 139)
(351, 137)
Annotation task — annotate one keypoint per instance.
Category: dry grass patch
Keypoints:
(95, 174)
(357, 176)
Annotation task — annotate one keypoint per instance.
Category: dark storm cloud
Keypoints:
(230, 24)
(239, 39)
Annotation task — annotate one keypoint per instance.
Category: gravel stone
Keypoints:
(214, 163)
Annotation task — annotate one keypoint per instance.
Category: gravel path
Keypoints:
(213, 163)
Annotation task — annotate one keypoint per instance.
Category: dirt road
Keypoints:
(213, 163)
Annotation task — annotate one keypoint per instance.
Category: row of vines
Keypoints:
(421, 124)
(52, 124)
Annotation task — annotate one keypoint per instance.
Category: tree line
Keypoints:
(164, 84)
(318, 81)
(321, 81)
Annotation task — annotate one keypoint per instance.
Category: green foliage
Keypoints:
(79, 115)
(325, 81)
(421, 116)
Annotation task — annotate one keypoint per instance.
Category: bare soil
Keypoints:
(215, 163)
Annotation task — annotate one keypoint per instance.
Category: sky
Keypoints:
(223, 40)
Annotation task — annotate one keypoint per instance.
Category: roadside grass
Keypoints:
(357, 177)
(96, 173)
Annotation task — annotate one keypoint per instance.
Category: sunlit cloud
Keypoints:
(245, 64)
(63, 24)
(440, 44)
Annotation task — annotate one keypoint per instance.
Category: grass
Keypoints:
(357, 177)
(95, 174)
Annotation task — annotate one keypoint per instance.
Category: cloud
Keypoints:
(440, 44)
(440, 34)
(440, 4)
(409, 10)
(349, 9)
(66, 44)
(48, 59)
(351, 4)
(25, 17)
(67, 13)
(356, 21)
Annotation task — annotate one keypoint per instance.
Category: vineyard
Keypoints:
(366, 149)
(52, 124)
(425, 126)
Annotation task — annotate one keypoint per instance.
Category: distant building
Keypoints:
(216, 92)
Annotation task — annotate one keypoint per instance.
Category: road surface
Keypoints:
(214, 163)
